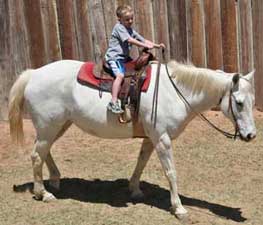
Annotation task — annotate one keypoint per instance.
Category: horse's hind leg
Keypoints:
(54, 174)
(38, 156)
(145, 153)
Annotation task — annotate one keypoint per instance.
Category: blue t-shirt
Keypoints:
(119, 48)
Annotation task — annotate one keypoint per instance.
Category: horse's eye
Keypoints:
(239, 105)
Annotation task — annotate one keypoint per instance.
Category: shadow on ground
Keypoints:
(116, 194)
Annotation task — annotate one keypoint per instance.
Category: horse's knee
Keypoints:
(164, 143)
(41, 150)
(35, 158)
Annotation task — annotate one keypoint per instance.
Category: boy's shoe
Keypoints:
(115, 107)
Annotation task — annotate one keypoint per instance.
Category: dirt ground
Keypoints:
(220, 180)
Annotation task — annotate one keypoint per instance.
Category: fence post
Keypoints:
(177, 29)
(257, 6)
(196, 32)
(229, 35)
(214, 35)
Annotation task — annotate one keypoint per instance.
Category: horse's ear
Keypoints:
(250, 76)
(235, 78)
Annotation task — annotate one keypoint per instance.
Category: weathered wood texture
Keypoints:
(257, 12)
(213, 27)
(246, 36)
(196, 32)
(219, 34)
(177, 29)
(5, 54)
(229, 35)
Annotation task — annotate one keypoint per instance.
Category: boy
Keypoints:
(122, 37)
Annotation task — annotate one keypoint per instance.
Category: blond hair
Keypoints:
(197, 79)
(123, 10)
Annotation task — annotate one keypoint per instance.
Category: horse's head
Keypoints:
(237, 104)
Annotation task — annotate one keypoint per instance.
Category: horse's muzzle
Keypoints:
(249, 137)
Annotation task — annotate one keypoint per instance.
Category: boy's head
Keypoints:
(125, 15)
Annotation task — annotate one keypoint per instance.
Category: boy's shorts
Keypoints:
(117, 67)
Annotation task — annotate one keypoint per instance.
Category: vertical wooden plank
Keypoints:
(177, 27)
(196, 32)
(229, 35)
(246, 36)
(4, 55)
(20, 49)
(14, 54)
(83, 31)
(214, 35)
(125, 2)
(110, 18)
(67, 29)
(35, 32)
(98, 29)
(160, 20)
(144, 19)
(257, 7)
(50, 30)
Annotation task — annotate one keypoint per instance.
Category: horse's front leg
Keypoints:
(145, 153)
(165, 154)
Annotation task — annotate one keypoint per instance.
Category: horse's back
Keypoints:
(56, 71)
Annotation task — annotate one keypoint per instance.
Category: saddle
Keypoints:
(136, 80)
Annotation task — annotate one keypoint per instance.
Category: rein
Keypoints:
(200, 115)
(156, 92)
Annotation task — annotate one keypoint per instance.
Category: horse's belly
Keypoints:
(89, 112)
(105, 130)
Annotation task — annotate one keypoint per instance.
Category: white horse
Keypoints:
(55, 100)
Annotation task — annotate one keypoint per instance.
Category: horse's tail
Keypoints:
(15, 107)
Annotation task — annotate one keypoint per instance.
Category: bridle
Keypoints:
(200, 115)
(230, 108)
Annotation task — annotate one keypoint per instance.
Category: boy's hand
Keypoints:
(149, 45)
(162, 45)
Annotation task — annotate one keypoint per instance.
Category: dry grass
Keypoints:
(220, 180)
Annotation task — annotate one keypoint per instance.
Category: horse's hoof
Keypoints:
(48, 197)
(180, 213)
(180, 216)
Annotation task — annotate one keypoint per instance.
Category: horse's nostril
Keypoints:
(251, 136)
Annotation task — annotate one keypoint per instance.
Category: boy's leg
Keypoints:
(116, 87)
(119, 70)
(114, 105)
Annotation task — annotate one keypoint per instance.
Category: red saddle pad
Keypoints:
(86, 76)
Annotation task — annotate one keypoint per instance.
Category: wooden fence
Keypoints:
(218, 34)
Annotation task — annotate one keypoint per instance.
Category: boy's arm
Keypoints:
(145, 44)
(161, 45)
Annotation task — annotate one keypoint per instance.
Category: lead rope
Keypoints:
(200, 115)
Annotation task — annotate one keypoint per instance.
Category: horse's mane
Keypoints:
(197, 79)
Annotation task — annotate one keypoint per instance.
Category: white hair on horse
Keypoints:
(197, 79)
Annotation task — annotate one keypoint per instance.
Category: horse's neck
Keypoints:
(206, 98)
